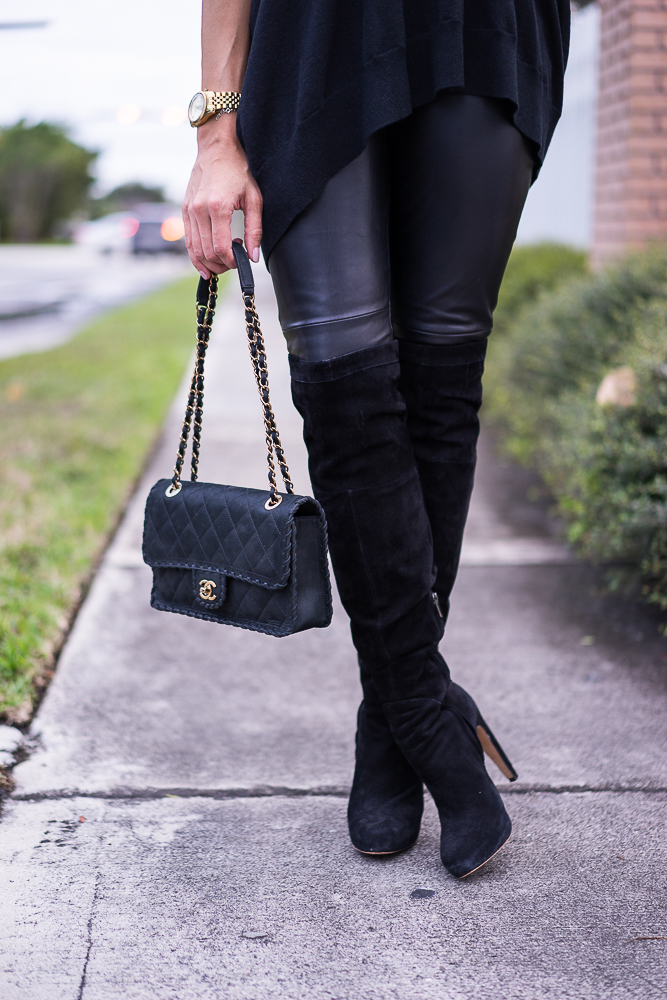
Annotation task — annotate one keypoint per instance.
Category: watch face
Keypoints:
(197, 107)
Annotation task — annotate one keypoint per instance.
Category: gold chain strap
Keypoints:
(195, 404)
(258, 358)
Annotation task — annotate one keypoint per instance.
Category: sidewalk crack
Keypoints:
(84, 971)
(320, 791)
(255, 792)
(615, 787)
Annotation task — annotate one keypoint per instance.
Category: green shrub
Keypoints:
(531, 270)
(605, 465)
(608, 466)
(565, 342)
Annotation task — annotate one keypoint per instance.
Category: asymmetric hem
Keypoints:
(323, 76)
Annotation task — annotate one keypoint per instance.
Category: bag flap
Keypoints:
(225, 529)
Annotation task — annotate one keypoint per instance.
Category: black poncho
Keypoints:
(323, 75)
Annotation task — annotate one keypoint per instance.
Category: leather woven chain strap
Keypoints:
(258, 358)
(195, 404)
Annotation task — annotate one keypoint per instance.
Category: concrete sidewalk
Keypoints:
(180, 832)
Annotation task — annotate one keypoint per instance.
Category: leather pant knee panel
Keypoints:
(411, 239)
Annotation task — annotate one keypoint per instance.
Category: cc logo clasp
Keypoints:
(206, 588)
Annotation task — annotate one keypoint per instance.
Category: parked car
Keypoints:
(147, 228)
(159, 229)
(111, 233)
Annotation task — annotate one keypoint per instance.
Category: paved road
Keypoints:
(47, 293)
(179, 832)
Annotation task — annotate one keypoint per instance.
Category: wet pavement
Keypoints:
(47, 293)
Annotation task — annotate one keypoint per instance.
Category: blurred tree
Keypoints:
(124, 197)
(44, 178)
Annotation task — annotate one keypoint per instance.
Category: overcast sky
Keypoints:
(560, 204)
(96, 58)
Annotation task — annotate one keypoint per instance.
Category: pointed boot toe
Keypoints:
(387, 798)
(442, 742)
(460, 861)
(474, 830)
(383, 825)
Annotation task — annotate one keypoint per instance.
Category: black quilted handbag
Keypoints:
(252, 558)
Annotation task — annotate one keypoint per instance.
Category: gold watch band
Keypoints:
(225, 100)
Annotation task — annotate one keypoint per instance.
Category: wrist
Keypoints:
(217, 132)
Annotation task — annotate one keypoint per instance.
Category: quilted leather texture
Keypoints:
(246, 605)
(269, 568)
(223, 528)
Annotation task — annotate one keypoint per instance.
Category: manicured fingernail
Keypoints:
(204, 275)
(255, 255)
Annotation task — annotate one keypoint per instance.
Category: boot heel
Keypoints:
(493, 749)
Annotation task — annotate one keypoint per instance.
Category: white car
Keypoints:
(153, 227)
(110, 233)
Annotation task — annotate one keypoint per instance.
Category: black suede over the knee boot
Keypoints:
(442, 388)
(362, 468)
(364, 474)
(387, 797)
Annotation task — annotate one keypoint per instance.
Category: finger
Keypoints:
(215, 267)
(200, 214)
(195, 248)
(189, 243)
(206, 261)
(253, 222)
(197, 254)
(221, 227)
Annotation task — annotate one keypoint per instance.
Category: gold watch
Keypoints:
(206, 103)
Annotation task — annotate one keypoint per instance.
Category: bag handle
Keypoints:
(207, 292)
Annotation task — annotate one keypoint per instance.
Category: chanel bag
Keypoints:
(227, 554)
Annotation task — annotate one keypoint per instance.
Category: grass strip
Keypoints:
(77, 425)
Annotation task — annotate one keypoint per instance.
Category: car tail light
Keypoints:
(128, 227)
(172, 229)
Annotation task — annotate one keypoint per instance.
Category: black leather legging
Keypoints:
(411, 239)
(408, 243)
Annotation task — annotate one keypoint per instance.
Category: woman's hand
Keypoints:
(220, 183)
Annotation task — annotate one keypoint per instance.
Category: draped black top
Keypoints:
(323, 75)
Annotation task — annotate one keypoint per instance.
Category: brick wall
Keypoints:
(631, 158)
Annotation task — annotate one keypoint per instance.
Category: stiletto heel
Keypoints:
(493, 749)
